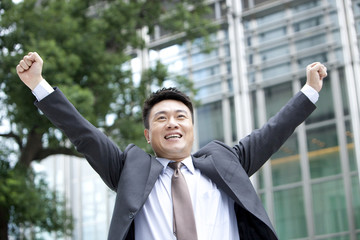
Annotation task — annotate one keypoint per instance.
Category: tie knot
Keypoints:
(175, 165)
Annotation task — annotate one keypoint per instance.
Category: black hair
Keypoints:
(161, 95)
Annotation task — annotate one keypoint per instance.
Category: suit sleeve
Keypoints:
(256, 148)
(102, 154)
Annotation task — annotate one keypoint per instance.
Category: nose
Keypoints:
(172, 123)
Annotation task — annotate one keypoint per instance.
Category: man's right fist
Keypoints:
(29, 70)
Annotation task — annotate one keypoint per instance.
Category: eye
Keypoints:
(181, 116)
(161, 118)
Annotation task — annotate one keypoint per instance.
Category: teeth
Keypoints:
(172, 136)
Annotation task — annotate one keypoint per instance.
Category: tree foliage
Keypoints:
(85, 44)
(27, 203)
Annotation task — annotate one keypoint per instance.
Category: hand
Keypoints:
(315, 74)
(29, 70)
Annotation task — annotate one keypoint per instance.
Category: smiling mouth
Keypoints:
(173, 136)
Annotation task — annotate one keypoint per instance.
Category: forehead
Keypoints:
(169, 105)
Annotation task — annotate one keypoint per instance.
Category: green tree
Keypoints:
(85, 44)
(27, 203)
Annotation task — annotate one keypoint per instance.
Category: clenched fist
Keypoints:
(29, 70)
(315, 73)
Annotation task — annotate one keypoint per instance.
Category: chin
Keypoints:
(177, 154)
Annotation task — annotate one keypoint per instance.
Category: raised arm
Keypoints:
(102, 154)
(256, 148)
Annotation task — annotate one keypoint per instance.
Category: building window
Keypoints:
(323, 151)
(319, 57)
(202, 57)
(246, 24)
(350, 146)
(259, 1)
(285, 163)
(228, 68)
(275, 71)
(290, 220)
(254, 107)
(250, 59)
(356, 199)
(209, 90)
(248, 41)
(233, 120)
(332, 3)
(210, 123)
(305, 6)
(276, 97)
(245, 4)
(227, 50)
(344, 92)
(272, 34)
(356, 7)
(274, 52)
(334, 19)
(308, 23)
(276, 16)
(251, 76)
(329, 207)
(336, 37)
(171, 51)
(357, 25)
(205, 73)
(310, 42)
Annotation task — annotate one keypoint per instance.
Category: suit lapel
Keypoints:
(236, 185)
(207, 167)
(155, 169)
(136, 182)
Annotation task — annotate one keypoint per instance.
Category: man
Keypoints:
(224, 202)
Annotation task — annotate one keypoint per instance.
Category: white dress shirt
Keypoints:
(213, 209)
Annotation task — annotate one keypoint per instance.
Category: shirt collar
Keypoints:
(187, 162)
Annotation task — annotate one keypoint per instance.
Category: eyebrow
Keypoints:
(164, 112)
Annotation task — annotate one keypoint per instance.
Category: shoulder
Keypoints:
(216, 148)
(134, 152)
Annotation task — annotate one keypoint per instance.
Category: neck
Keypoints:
(179, 159)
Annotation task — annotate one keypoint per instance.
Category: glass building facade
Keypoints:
(310, 187)
(89, 199)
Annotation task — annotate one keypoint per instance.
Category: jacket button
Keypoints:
(131, 215)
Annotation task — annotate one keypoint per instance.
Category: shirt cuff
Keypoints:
(42, 90)
(311, 93)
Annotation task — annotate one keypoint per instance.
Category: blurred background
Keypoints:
(241, 61)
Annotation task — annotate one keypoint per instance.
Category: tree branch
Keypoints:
(14, 136)
(46, 152)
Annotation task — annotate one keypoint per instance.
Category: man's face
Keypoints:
(171, 132)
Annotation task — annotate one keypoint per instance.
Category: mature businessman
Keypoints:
(224, 202)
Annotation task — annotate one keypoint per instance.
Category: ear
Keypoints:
(147, 135)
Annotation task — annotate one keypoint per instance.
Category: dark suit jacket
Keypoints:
(132, 172)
